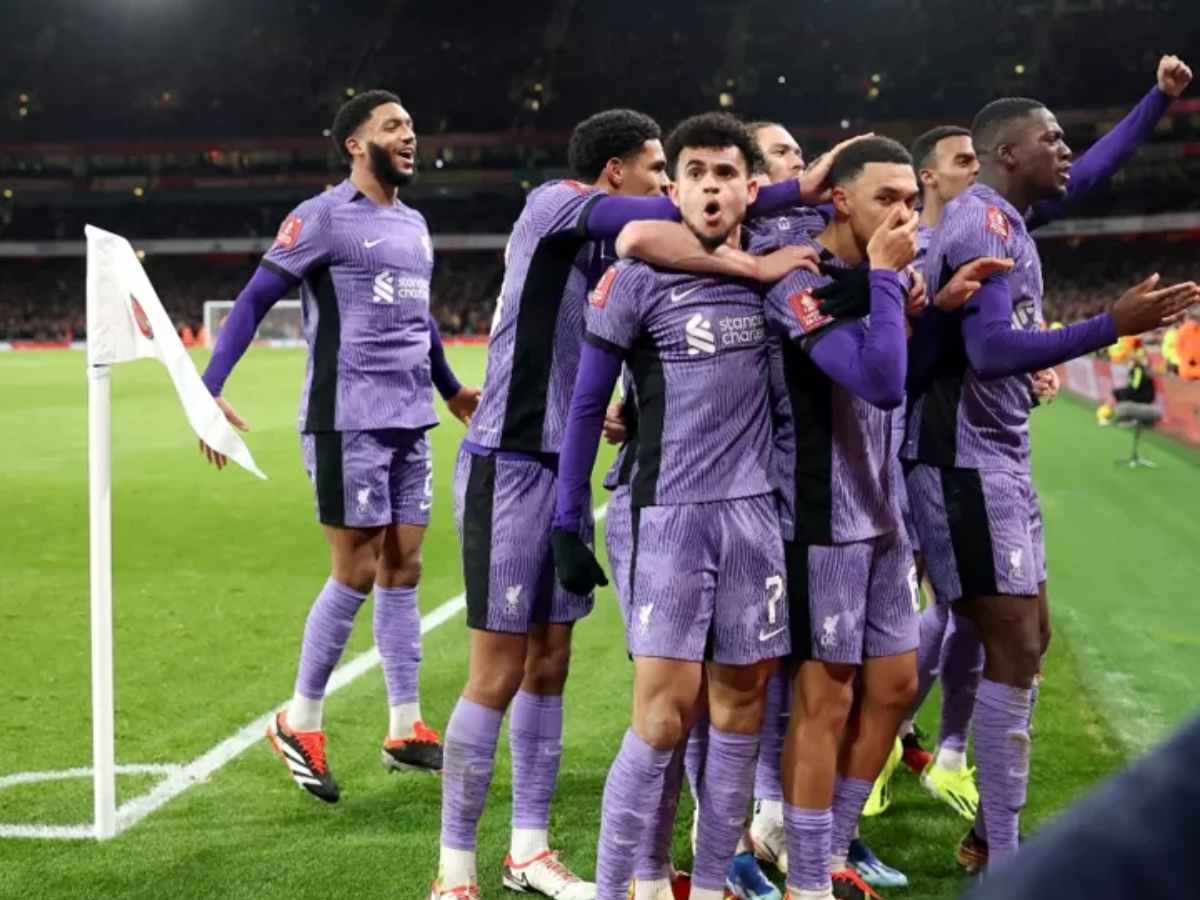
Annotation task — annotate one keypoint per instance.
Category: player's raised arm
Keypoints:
(672, 245)
(1111, 152)
(869, 362)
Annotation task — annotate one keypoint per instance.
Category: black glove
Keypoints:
(574, 564)
(848, 296)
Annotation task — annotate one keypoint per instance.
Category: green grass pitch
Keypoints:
(214, 573)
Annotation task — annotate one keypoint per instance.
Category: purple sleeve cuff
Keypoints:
(995, 349)
(609, 214)
(1104, 157)
(264, 289)
(443, 376)
(599, 369)
(775, 197)
(870, 362)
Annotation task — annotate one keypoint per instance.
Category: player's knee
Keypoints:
(405, 573)
(546, 671)
(495, 684)
(661, 725)
(899, 691)
(830, 710)
(1045, 631)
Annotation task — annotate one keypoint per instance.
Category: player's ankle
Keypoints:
(402, 717)
(456, 867)
(303, 714)
(950, 760)
(528, 843)
(768, 812)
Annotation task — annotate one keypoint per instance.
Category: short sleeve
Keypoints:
(303, 241)
(795, 312)
(614, 307)
(561, 207)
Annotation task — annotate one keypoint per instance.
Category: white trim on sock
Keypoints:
(401, 719)
(528, 843)
(456, 867)
(906, 728)
(837, 863)
(951, 760)
(699, 893)
(823, 894)
(651, 890)
(304, 713)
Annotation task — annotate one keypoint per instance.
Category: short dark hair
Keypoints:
(714, 129)
(851, 160)
(989, 122)
(618, 133)
(923, 147)
(353, 113)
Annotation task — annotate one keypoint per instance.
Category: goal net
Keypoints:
(281, 327)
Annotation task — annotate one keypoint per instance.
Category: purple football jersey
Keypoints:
(843, 482)
(794, 226)
(364, 273)
(962, 420)
(697, 349)
(533, 352)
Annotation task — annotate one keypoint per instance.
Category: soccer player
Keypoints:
(520, 621)
(849, 564)
(363, 261)
(971, 489)
(947, 164)
(706, 579)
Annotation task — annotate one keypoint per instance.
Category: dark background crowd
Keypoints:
(152, 134)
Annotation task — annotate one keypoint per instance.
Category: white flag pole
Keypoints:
(100, 505)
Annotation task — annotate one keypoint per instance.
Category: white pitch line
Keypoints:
(184, 777)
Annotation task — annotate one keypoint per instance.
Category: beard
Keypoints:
(708, 241)
(384, 169)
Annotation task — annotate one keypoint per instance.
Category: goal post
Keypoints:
(283, 325)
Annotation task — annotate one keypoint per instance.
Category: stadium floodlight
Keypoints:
(126, 321)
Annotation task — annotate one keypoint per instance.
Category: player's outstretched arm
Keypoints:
(462, 401)
(672, 245)
(265, 288)
(1112, 151)
(574, 563)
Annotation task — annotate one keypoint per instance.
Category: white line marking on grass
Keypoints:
(181, 778)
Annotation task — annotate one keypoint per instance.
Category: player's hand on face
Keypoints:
(1146, 306)
(615, 431)
(814, 188)
(574, 564)
(1174, 75)
(894, 243)
(464, 403)
(1046, 385)
(918, 296)
(967, 280)
(219, 459)
(778, 263)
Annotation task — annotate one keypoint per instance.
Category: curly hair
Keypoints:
(715, 129)
(353, 113)
(619, 133)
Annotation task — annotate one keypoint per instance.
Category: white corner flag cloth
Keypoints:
(126, 321)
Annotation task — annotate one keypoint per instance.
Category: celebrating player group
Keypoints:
(826, 375)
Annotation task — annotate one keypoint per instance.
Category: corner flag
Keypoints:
(126, 321)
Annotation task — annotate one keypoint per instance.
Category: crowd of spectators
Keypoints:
(43, 300)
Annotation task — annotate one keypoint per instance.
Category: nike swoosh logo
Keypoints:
(767, 635)
(677, 295)
(370, 244)
(425, 505)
